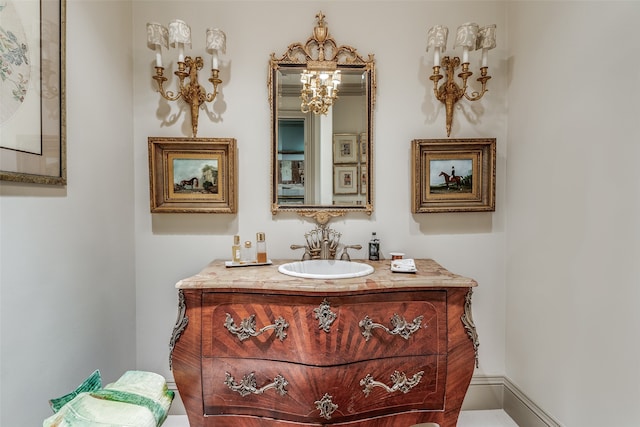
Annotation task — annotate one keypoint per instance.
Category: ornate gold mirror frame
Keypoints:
(321, 53)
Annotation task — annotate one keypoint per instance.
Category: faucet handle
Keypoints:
(345, 256)
(307, 253)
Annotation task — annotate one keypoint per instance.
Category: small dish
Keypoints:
(403, 266)
(246, 264)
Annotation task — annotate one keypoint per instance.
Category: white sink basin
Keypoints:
(325, 269)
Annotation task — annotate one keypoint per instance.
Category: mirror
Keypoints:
(321, 161)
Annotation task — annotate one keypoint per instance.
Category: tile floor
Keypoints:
(492, 418)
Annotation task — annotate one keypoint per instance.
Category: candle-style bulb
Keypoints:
(216, 42)
(158, 56)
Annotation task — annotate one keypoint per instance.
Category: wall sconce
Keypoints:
(179, 35)
(470, 37)
(321, 78)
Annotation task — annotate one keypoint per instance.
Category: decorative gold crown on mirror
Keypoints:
(321, 56)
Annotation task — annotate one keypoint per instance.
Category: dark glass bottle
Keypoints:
(374, 248)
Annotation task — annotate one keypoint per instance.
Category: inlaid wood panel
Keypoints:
(341, 341)
(305, 385)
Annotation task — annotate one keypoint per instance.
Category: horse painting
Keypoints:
(193, 182)
(451, 179)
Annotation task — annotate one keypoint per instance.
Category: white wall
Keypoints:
(172, 246)
(573, 208)
(67, 292)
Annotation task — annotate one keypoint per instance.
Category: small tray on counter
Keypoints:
(246, 264)
(403, 266)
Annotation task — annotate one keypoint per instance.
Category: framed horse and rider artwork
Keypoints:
(453, 175)
(193, 175)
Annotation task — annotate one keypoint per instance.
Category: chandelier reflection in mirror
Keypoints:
(319, 90)
(179, 36)
(470, 37)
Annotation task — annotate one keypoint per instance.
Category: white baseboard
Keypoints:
(523, 410)
(498, 392)
(485, 392)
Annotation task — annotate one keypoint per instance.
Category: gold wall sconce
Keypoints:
(178, 35)
(470, 37)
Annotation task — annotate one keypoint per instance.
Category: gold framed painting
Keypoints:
(193, 175)
(32, 92)
(453, 175)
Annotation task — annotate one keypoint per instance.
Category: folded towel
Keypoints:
(92, 383)
(137, 399)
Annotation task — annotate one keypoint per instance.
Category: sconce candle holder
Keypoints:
(469, 37)
(189, 89)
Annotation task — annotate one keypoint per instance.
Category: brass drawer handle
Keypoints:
(247, 327)
(326, 406)
(399, 379)
(248, 385)
(400, 326)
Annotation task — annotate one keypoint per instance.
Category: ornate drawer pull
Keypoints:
(248, 385)
(326, 406)
(400, 326)
(325, 316)
(399, 379)
(247, 327)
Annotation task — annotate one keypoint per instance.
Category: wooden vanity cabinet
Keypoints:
(253, 347)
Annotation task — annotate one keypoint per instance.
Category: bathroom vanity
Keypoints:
(253, 347)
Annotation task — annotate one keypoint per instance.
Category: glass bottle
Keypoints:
(374, 248)
(261, 248)
(248, 254)
(235, 249)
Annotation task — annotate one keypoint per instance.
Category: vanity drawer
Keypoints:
(315, 394)
(324, 331)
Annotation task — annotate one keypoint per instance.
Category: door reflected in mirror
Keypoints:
(291, 160)
(322, 161)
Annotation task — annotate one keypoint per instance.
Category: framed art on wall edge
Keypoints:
(453, 175)
(193, 175)
(32, 92)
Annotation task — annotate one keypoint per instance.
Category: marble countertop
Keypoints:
(216, 275)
